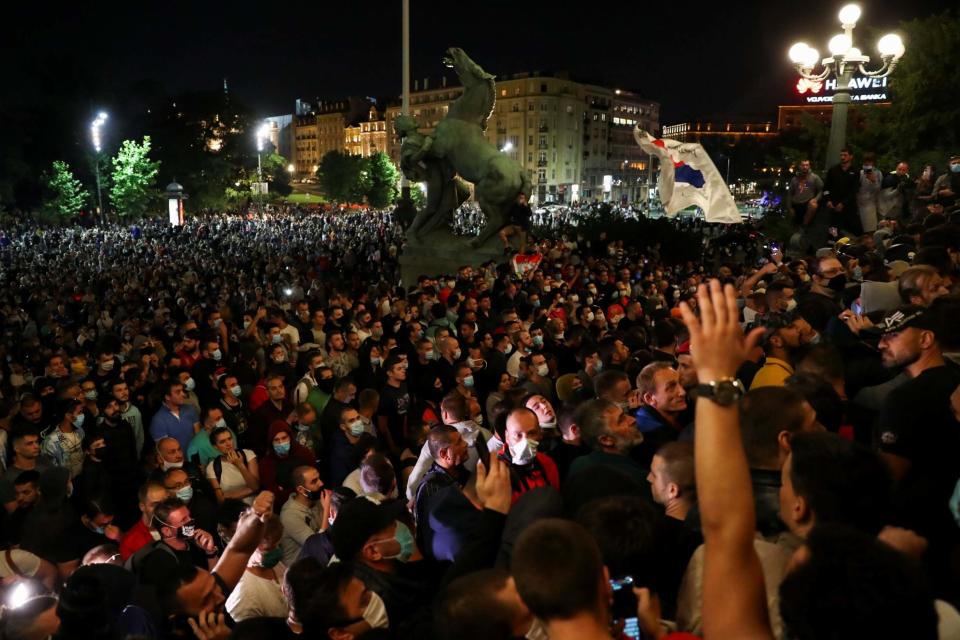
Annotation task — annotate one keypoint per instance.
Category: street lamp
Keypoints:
(507, 148)
(95, 136)
(263, 131)
(843, 61)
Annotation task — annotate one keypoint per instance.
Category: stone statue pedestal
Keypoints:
(441, 253)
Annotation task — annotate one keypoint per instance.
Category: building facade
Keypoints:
(573, 140)
(367, 137)
(323, 130)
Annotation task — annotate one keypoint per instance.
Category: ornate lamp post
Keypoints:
(843, 61)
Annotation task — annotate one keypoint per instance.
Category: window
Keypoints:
(530, 106)
(503, 93)
(543, 87)
(516, 107)
(543, 106)
(530, 140)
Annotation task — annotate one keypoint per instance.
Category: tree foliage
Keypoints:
(66, 195)
(275, 172)
(342, 177)
(133, 178)
(383, 181)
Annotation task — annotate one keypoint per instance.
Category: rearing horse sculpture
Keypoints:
(459, 140)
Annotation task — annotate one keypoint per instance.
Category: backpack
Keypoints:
(218, 464)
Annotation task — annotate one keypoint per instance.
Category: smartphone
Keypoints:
(857, 308)
(482, 451)
(631, 629)
(624, 601)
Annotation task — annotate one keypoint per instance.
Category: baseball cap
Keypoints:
(359, 520)
(904, 318)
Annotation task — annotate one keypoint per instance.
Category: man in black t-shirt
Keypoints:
(918, 435)
(394, 405)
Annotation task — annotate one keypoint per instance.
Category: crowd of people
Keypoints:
(248, 427)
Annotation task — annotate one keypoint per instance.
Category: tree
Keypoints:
(342, 177)
(133, 178)
(275, 172)
(383, 181)
(67, 195)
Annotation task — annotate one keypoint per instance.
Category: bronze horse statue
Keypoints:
(458, 147)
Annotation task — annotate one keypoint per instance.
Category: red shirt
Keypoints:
(542, 472)
(138, 536)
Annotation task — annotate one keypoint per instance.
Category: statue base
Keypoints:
(441, 253)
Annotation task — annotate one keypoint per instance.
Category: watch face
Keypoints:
(727, 393)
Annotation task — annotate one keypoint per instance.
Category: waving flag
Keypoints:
(688, 178)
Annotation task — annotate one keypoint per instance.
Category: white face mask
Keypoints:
(543, 370)
(523, 453)
(791, 305)
(172, 465)
(376, 613)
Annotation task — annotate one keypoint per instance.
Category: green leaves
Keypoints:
(133, 179)
(347, 178)
(67, 196)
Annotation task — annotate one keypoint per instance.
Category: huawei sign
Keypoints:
(813, 86)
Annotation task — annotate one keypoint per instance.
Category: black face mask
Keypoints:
(313, 496)
(838, 283)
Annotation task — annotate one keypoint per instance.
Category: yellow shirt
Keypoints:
(774, 373)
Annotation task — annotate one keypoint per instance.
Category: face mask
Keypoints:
(78, 421)
(171, 465)
(456, 354)
(509, 349)
(404, 538)
(216, 355)
(955, 168)
(312, 496)
(468, 382)
(272, 558)
(858, 274)
(524, 452)
(221, 423)
(107, 366)
(185, 493)
(122, 357)
(791, 305)
(598, 367)
(589, 317)
(276, 339)
(559, 336)
(815, 339)
(430, 355)
(543, 370)
(217, 323)
(190, 384)
(374, 361)
(535, 303)
(375, 613)
(538, 341)
(246, 325)
(356, 428)
(90, 395)
(282, 448)
(589, 299)
(838, 283)
(868, 168)
(236, 390)
(279, 359)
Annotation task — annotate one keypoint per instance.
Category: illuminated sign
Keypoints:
(862, 89)
(607, 184)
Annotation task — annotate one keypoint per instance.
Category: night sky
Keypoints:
(695, 58)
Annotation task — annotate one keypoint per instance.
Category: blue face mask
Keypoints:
(190, 384)
(236, 390)
(538, 341)
(272, 558)
(468, 382)
(535, 303)
(185, 493)
(78, 421)
(276, 338)
(955, 168)
(282, 448)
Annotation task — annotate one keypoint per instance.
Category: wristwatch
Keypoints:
(725, 391)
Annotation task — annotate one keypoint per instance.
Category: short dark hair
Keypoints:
(216, 434)
(552, 589)
(821, 395)
(314, 591)
(470, 608)
(439, 438)
(605, 381)
(764, 413)
(854, 586)
(626, 529)
(843, 482)
(456, 405)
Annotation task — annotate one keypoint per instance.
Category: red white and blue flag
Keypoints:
(689, 178)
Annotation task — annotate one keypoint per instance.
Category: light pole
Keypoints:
(262, 132)
(95, 136)
(845, 59)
